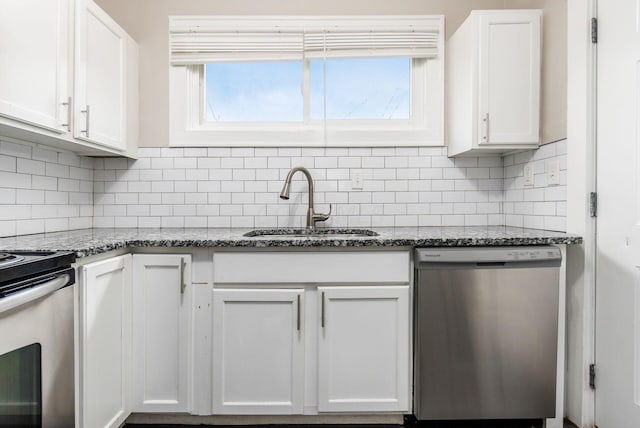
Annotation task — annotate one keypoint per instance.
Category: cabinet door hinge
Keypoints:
(592, 376)
(594, 30)
(593, 204)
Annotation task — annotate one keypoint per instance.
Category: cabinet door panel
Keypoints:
(258, 352)
(34, 39)
(161, 329)
(509, 79)
(100, 83)
(105, 342)
(363, 362)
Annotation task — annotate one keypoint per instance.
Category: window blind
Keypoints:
(200, 40)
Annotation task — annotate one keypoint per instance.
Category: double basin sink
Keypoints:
(310, 233)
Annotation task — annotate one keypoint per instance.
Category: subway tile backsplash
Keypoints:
(239, 187)
(43, 190)
(46, 190)
(538, 206)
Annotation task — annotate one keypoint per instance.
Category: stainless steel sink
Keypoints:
(310, 233)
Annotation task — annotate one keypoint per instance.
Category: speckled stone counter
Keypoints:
(87, 242)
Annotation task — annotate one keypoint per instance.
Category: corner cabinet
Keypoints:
(104, 341)
(493, 70)
(161, 333)
(258, 351)
(69, 77)
(134, 338)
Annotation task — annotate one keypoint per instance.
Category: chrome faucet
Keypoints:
(312, 216)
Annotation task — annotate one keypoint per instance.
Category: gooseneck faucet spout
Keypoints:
(312, 216)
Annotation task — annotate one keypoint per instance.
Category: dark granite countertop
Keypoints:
(87, 242)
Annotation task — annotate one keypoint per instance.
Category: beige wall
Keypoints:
(146, 21)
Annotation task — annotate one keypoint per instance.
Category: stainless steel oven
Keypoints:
(36, 340)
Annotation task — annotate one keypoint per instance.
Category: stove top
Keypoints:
(18, 265)
(7, 259)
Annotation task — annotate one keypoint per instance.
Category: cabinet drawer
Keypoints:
(312, 267)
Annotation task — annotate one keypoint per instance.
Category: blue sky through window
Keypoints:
(357, 88)
(254, 92)
(362, 88)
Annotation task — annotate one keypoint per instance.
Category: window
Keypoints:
(334, 81)
(266, 91)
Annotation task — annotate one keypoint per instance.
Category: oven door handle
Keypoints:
(42, 290)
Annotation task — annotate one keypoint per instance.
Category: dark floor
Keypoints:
(478, 424)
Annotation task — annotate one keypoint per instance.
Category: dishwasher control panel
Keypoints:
(487, 254)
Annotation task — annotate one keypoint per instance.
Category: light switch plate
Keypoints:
(528, 175)
(553, 172)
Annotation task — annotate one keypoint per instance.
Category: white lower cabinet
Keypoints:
(161, 333)
(104, 342)
(314, 341)
(347, 351)
(363, 349)
(258, 351)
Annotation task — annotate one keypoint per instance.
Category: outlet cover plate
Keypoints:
(528, 175)
(553, 172)
(357, 180)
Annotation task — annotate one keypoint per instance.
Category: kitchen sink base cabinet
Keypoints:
(292, 336)
(363, 353)
(258, 351)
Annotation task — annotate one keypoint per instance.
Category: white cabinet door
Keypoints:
(100, 81)
(509, 78)
(363, 361)
(34, 61)
(161, 332)
(104, 343)
(258, 351)
(493, 83)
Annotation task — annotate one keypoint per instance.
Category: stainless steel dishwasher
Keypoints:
(486, 330)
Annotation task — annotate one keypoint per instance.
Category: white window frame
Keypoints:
(189, 128)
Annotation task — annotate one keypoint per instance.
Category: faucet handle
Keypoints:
(321, 216)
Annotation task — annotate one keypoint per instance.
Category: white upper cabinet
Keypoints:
(68, 77)
(34, 55)
(101, 78)
(493, 83)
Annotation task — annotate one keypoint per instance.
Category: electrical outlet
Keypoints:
(528, 175)
(357, 180)
(553, 172)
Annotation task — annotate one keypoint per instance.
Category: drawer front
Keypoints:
(312, 267)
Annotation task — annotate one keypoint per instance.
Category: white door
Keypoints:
(509, 78)
(258, 351)
(363, 360)
(105, 343)
(100, 106)
(34, 61)
(618, 237)
(161, 332)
